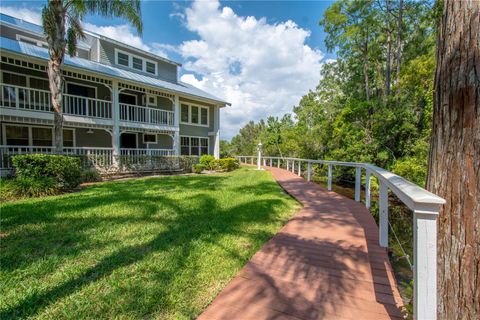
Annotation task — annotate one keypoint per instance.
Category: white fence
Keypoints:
(424, 205)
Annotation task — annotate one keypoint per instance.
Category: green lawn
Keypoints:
(145, 248)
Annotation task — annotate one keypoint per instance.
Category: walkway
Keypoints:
(325, 263)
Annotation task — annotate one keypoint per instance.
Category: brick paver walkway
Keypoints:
(325, 263)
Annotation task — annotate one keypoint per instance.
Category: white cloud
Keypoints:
(262, 69)
(27, 14)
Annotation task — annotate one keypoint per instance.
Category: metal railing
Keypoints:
(133, 113)
(424, 205)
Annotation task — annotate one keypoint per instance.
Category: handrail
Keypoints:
(424, 204)
(134, 113)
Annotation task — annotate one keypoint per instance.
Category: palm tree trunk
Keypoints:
(454, 164)
(55, 76)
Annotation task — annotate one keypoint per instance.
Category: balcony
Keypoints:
(81, 108)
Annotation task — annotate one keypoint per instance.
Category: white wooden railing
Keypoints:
(133, 113)
(6, 151)
(424, 205)
(146, 152)
(29, 99)
(87, 107)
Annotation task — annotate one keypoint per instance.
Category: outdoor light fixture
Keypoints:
(259, 159)
(90, 131)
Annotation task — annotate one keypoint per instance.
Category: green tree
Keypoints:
(61, 20)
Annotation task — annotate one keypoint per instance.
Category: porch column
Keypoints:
(216, 130)
(116, 122)
(176, 119)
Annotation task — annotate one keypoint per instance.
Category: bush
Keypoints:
(208, 161)
(228, 164)
(64, 170)
(198, 168)
(28, 187)
(90, 175)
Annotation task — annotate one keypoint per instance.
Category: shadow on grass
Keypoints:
(56, 227)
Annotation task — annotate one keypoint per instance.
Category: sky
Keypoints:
(261, 56)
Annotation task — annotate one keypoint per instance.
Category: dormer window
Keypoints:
(35, 42)
(122, 59)
(151, 67)
(135, 62)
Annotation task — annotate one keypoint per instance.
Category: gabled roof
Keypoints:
(92, 66)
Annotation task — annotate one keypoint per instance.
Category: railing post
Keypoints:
(329, 183)
(293, 166)
(17, 98)
(383, 216)
(299, 168)
(259, 160)
(251, 160)
(264, 162)
(270, 162)
(288, 162)
(278, 163)
(309, 171)
(425, 264)
(358, 183)
(367, 188)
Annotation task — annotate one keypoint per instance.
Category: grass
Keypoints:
(146, 248)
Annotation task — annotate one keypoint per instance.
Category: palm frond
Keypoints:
(127, 9)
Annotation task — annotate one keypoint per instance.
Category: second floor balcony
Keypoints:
(78, 108)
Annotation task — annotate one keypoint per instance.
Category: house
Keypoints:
(118, 99)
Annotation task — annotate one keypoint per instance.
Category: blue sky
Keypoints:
(261, 56)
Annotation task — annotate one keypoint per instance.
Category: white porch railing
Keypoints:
(146, 152)
(133, 113)
(29, 99)
(6, 151)
(87, 107)
(424, 204)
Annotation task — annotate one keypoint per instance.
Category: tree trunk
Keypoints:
(365, 68)
(389, 53)
(55, 77)
(454, 164)
(398, 57)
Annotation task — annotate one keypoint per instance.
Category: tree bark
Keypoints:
(55, 77)
(454, 164)
(398, 57)
(365, 67)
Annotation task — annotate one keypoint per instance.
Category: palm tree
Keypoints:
(61, 20)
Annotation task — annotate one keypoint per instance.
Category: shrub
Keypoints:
(198, 168)
(208, 161)
(28, 187)
(65, 170)
(228, 164)
(90, 175)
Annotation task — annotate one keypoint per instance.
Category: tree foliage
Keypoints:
(359, 112)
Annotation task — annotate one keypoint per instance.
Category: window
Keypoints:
(185, 146)
(151, 67)
(149, 138)
(203, 146)
(193, 146)
(122, 59)
(204, 116)
(14, 79)
(37, 83)
(41, 136)
(185, 109)
(67, 138)
(194, 115)
(137, 63)
(16, 136)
